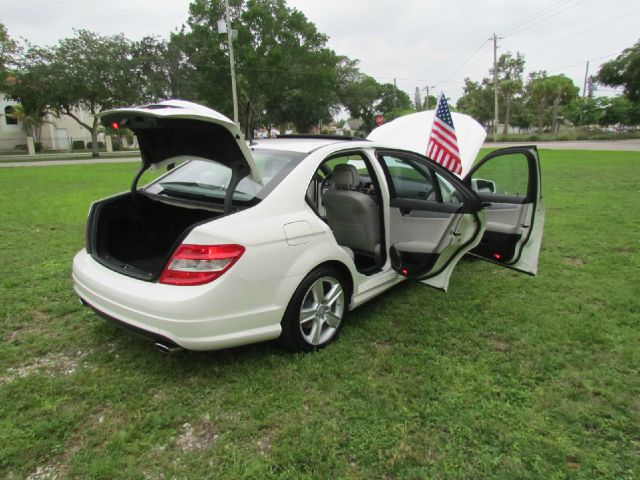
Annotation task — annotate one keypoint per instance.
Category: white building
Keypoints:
(55, 133)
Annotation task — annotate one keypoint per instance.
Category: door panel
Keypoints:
(433, 218)
(507, 182)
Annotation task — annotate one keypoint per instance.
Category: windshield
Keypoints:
(205, 180)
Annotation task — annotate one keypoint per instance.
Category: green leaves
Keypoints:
(624, 71)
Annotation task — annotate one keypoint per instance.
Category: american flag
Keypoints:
(443, 143)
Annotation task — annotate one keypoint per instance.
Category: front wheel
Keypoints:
(316, 311)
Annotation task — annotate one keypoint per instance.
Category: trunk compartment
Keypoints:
(135, 235)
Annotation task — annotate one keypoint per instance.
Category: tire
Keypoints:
(316, 311)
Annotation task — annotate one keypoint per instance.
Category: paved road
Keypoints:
(616, 145)
(80, 161)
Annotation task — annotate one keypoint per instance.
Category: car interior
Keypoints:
(344, 193)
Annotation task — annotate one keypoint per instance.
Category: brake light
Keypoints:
(199, 264)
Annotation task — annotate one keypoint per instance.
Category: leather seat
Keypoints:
(353, 216)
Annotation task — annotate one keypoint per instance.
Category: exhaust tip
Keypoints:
(166, 348)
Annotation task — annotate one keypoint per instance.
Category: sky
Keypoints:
(419, 43)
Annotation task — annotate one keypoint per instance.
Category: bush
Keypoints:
(38, 146)
(22, 146)
(90, 145)
(78, 145)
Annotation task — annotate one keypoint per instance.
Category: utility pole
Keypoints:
(232, 63)
(427, 100)
(395, 94)
(495, 87)
(586, 76)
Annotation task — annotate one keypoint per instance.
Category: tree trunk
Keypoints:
(94, 138)
(507, 116)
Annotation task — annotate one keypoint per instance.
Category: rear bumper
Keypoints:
(228, 312)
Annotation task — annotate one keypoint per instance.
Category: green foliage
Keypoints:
(620, 111)
(87, 71)
(8, 49)
(547, 94)
(505, 376)
(285, 72)
(584, 111)
(477, 100)
(623, 71)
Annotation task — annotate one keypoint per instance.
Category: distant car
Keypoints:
(279, 239)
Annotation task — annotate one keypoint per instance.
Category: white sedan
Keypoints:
(242, 243)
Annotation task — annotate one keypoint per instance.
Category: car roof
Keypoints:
(298, 144)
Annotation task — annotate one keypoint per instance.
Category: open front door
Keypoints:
(433, 218)
(507, 182)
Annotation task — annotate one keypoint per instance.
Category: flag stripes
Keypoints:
(443, 142)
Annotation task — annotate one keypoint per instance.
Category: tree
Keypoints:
(547, 94)
(360, 99)
(8, 49)
(621, 111)
(510, 70)
(584, 111)
(477, 100)
(285, 72)
(623, 71)
(86, 72)
(417, 100)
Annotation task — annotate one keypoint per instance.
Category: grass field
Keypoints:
(505, 376)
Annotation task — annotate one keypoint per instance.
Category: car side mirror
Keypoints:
(480, 185)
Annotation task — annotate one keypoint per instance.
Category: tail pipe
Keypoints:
(167, 347)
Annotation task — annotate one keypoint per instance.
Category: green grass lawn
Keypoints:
(505, 376)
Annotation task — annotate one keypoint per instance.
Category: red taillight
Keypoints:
(115, 125)
(497, 256)
(198, 264)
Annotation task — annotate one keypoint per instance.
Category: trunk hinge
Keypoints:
(134, 184)
(236, 176)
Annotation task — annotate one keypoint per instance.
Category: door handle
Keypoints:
(456, 234)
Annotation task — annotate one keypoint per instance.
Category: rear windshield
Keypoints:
(206, 181)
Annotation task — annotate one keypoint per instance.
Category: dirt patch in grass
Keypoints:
(51, 365)
(197, 437)
(623, 250)
(499, 345)
(574, 261)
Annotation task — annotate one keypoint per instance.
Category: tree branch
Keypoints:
(67, 111)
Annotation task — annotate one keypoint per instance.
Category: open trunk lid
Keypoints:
(175, 128)
(411, 132)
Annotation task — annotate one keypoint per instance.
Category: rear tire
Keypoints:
(316, 311)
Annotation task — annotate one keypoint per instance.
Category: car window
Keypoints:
(205, 180)
(408, 180)
(504, 175)
(449, 193)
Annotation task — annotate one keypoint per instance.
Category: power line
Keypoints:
(550, 14)
(460, 69)
(584, 61)
(536, 15)
(585, 31)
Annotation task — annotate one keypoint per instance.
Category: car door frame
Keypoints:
(470, 205)
(533, 197)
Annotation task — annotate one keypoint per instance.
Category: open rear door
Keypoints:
(507, 182)
(433, 218)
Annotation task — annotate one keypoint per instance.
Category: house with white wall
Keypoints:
(54, 134)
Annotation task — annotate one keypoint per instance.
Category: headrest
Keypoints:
(346, 176)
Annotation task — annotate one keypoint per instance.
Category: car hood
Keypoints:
(177, 128)
(411, 132)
